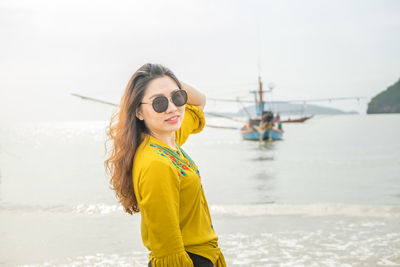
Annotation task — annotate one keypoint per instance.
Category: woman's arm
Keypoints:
(195, 97)
(159, 187)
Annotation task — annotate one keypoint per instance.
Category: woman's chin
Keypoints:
(174, 127)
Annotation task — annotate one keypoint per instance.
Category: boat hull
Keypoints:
(270, 133)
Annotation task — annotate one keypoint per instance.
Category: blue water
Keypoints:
(327, 195)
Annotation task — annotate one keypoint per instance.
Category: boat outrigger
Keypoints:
(263, 126)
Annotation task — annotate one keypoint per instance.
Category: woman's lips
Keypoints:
(173, 119)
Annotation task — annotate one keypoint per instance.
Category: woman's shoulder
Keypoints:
(151, 164)
(150, 155)
(193, 122)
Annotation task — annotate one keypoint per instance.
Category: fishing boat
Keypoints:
(302, 119)
(264, 126)
(249, 132)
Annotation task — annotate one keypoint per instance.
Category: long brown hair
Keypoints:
(126, 132)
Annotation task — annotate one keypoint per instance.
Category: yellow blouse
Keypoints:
(174, 212)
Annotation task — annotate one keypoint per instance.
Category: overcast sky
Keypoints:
(307, 49)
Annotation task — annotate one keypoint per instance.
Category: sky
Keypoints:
(306, 49)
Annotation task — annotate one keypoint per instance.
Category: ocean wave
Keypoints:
(272, 209)
(99, 208)
(319, 209)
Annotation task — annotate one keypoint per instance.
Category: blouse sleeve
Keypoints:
(193, 122)
(159, 190)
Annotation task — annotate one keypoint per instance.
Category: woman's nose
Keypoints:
(171, 106)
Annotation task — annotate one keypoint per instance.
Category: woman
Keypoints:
(152, 174)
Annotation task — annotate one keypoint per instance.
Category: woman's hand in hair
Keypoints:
(195, 97)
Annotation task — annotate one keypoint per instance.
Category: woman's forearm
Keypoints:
(195, 97)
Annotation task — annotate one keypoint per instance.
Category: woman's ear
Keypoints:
(139, 114)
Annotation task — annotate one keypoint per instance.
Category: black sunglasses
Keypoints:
(160, 103)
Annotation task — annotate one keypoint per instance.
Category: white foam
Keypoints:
(97, 209)
(301, 247)
(273, 209)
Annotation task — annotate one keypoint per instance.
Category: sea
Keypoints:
(328, 194)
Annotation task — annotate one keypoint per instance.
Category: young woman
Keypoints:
(152, 174)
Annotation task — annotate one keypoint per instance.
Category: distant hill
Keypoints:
(285, 108)
(387, 101)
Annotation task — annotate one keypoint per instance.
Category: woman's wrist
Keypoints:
(195, 97)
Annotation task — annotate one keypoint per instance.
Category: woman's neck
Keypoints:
(168, 139)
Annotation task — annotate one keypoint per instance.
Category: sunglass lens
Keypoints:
(160, 104)
(179, 98)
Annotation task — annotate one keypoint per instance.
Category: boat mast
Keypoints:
(260, 92)
(260, 85)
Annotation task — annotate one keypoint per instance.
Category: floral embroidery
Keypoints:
(180, 165)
